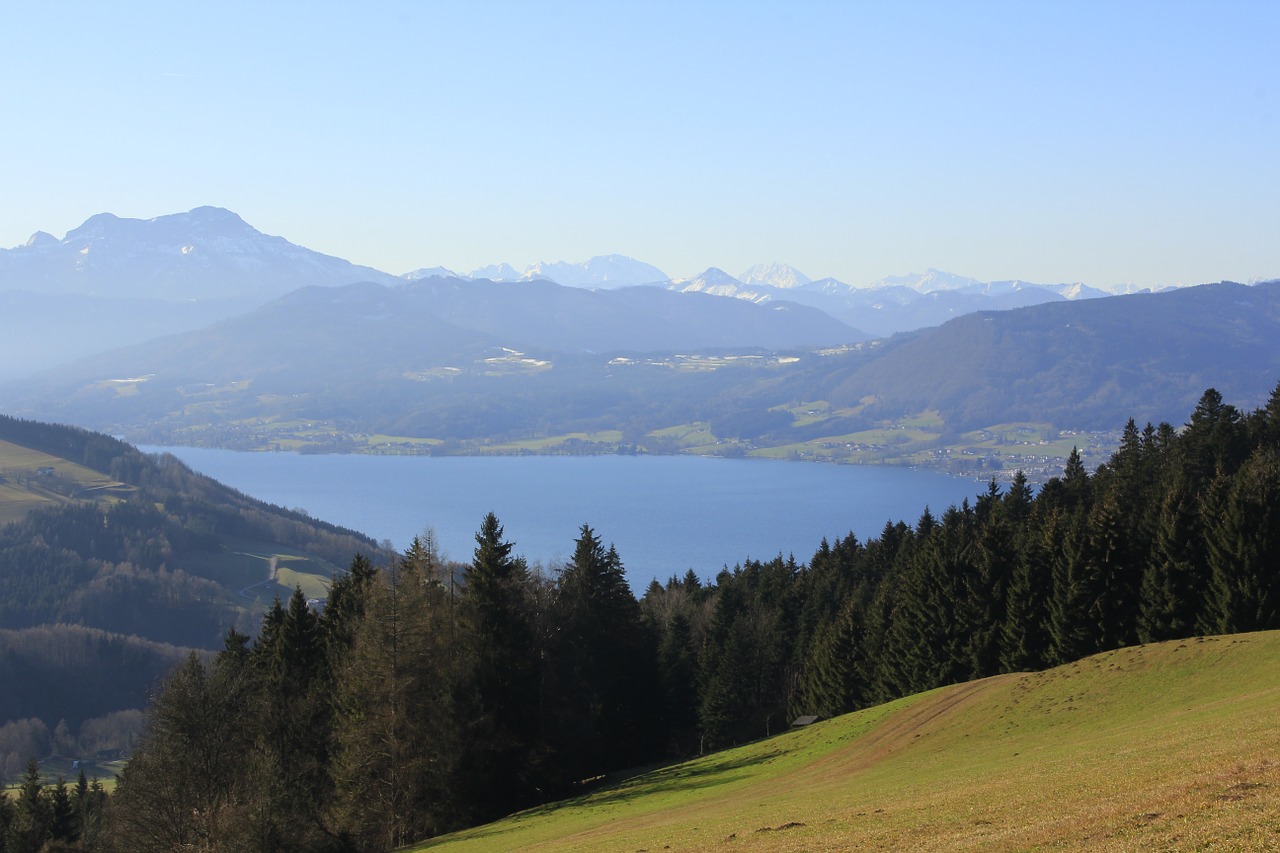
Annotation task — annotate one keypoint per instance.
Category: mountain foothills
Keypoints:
(270, 345)
(446, 366)
(113, 565)
(427, 697)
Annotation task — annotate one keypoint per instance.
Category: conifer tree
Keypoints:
(678, 679)
(1244, 550)
(1173, 581)
(506, 742)
(604, 664)
(31, 822)
(1022, 636)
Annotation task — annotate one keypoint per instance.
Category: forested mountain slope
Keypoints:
(1081, 364)
(112, 562)
(329, 367)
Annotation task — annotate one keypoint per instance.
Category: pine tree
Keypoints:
(345, 607)
(30, 825)
(61, 813)
(1173, 581)
(506, 743)
(678, 678)
(1244, 550)
(1023, 639)
(604, 664)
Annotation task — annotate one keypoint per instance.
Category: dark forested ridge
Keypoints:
(428, 696)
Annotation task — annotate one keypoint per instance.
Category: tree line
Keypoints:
(428, 696)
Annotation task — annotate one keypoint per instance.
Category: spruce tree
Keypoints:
(31, 822)
(604, 664)
(1244, 550)
(506, 745)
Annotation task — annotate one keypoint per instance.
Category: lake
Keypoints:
(665, 514)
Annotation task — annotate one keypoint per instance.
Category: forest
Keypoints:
(428, 696)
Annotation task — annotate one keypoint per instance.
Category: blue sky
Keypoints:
(1050, 141)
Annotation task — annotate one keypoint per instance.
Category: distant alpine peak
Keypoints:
(429, 272)
(496, 272)
(775, 275)
(710, 277)
(929, 280)
(601, 271)
(40, 239)
(212, 221)
(935, 281)
(205, 253)
(206, 215)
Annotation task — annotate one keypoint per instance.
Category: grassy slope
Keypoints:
(18, 496)
(1173, 746)
(241, 567)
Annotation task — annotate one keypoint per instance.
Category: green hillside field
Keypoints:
(1172, 746)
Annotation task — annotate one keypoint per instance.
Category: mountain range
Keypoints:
(115, 281)
(194, 323)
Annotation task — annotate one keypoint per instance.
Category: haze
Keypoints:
(1087, 142)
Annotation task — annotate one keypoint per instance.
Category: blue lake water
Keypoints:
(665, 514)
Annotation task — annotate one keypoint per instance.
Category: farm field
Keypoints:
(1170, 746)
(30, 479)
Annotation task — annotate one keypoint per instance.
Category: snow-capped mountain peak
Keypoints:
(496, 272)
(205, 253)
(775, 275)
(601, 271)
(429, 272)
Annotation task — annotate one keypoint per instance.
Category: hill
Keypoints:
(1080, 364)
(1167, 746)
(437, 358)
(102, 535)
(445, 366)
(115, 564)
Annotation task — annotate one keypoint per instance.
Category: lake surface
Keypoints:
(665, 514)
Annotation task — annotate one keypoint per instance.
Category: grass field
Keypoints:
(246, 564)
(1173, 746)
(23, 489)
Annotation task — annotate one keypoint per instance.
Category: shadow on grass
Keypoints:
(683, 778)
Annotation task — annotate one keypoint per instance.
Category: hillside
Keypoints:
(101, 535)
(114, 564)
(1080, 364)
(1167, 746)
(446, 366)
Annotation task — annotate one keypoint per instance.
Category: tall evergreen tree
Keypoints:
(1244, 550)
(31, 823)
(604, 663)
(506, 741)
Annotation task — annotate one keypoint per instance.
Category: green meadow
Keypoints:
(1173, 746)
(23, 488)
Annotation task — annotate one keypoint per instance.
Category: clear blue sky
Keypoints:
(1051, 141)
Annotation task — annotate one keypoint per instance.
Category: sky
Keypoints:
(1101, 142)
